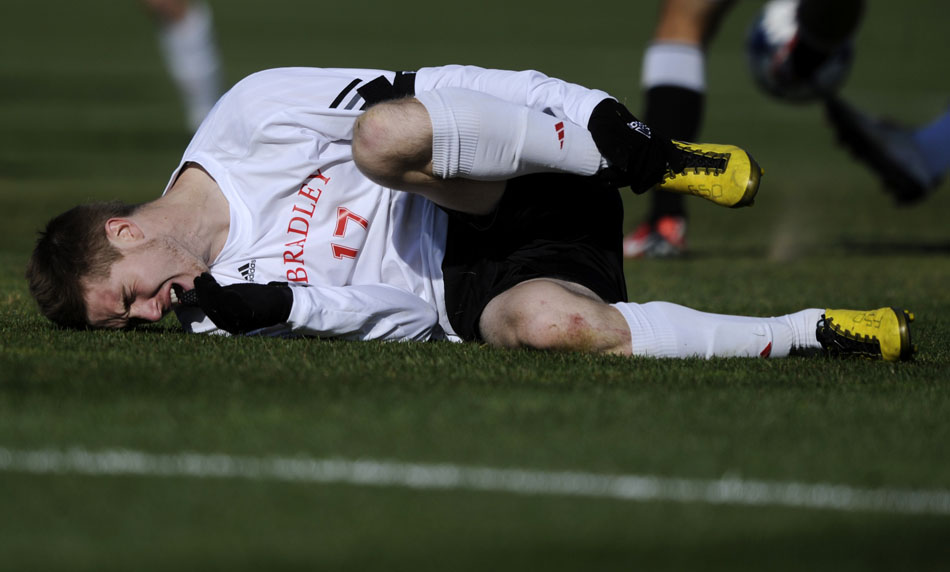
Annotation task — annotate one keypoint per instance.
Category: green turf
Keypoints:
(86, 112)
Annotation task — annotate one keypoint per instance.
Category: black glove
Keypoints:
(241, 308)
(635, 156)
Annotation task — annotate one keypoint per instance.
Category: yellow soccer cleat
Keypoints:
(723, 174)
(883, 333)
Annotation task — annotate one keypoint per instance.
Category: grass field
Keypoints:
(88, 113)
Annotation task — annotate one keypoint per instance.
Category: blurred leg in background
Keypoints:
(186, 34)
(674, 86)
(911, 162)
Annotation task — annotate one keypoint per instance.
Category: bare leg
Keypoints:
(166, 11)
(692, 22)
(392, 146)
(548, 314)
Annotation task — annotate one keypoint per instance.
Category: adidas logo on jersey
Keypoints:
(559, 127)
(247, 271)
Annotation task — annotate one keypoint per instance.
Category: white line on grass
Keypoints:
(458, 477)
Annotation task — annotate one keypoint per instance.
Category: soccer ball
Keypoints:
(770, 40)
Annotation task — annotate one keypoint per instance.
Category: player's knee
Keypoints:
(392, 138)
(537, 315)
(370, 143)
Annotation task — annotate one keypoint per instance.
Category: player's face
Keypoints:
(140, 286)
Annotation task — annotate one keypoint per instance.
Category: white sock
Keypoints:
(479, 136)
(192, 59)
(662, 329)
(680, 65)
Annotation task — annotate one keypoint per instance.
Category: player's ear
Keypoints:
(123, 230)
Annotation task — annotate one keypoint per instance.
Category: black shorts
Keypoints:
(545, 226)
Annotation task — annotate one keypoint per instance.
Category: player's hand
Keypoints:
(242, 308)
(635, 156)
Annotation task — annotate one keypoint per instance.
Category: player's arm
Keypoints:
(364, 312)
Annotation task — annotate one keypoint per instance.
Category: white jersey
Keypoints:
(364, 260)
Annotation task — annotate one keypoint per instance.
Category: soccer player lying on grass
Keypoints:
(463, 204)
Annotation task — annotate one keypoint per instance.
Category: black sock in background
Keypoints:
(677, 113)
